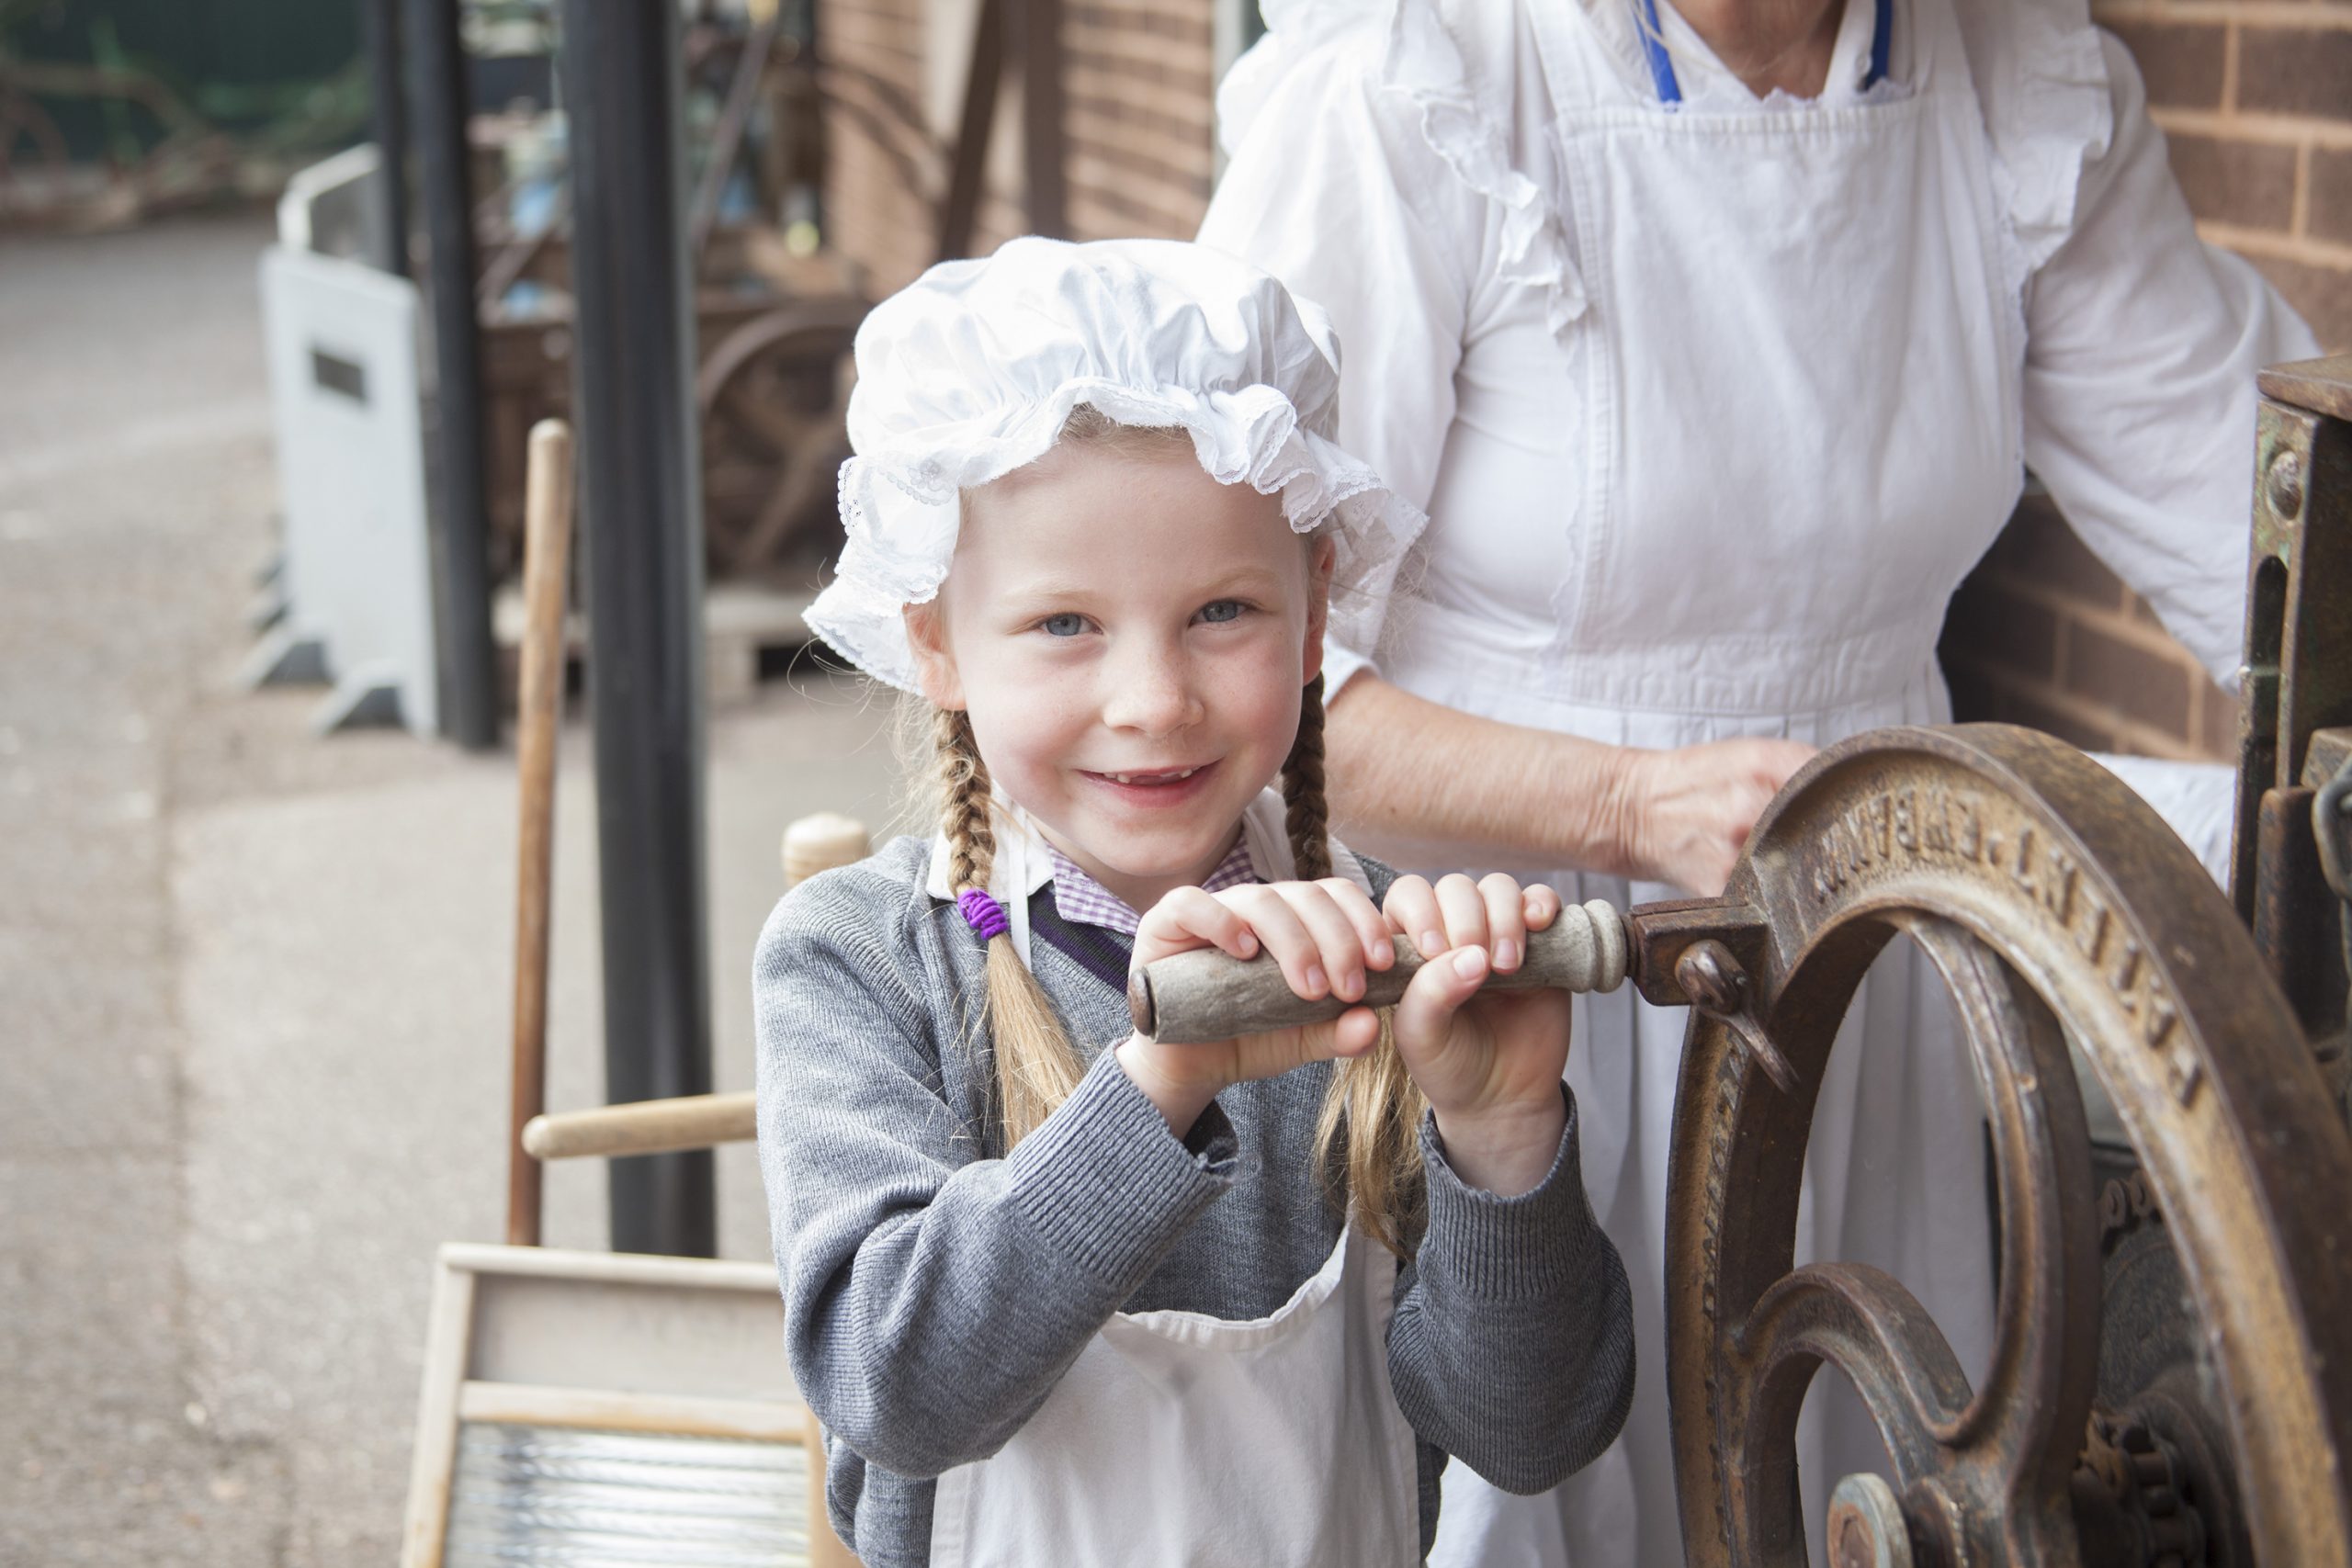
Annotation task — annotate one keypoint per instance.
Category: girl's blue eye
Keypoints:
(1064, 625)
(1221, 610)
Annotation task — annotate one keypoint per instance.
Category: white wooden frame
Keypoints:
(550, 1337)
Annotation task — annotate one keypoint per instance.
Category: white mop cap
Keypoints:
(972, 370)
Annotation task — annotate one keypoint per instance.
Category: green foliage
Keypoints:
(119, 77)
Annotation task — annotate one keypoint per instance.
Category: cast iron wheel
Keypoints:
(2051, 901)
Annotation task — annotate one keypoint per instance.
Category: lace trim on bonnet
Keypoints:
(2040, 72)
(1252, 435)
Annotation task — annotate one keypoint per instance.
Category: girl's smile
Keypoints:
(1130, 639)
(1159, 789)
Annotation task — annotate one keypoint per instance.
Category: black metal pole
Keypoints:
(381, 22)
(969, 170)
(1042, 146)
(641, 494)
(437, 80)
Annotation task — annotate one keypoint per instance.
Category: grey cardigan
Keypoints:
(937, 1289)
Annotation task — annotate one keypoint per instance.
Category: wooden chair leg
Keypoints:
(825, 1548)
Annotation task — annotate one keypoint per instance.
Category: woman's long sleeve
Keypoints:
(2143, 343)
(1333, 189)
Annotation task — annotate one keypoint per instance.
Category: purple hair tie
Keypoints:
(982, 913)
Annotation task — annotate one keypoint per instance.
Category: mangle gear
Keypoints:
(2171, 1383)
(2053, 903)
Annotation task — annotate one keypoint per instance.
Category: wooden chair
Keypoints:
(599, 1405)
(559, 1382)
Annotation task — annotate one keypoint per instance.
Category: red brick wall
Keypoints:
(2255, 103)
(883, 166)
(2042, 634)
(1139, 82)
(1142, 78)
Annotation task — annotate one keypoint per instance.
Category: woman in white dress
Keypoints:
(1716, 344)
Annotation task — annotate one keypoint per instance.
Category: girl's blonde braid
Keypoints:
(1372, 1116)
(1305, 815)
(963, 800)
(1035, 1068)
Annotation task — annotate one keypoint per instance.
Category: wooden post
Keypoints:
(1041, 116)
(960, 206)
(546, 564)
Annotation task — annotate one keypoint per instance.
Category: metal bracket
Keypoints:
(1701, 952)
(2297, 676)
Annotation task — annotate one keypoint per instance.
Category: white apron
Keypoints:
(1794, 403)
(1181, 1441)
(1185, 1440)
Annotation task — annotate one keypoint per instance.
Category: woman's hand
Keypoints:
(1324, 935)
(1489, 1063)
(1687, 812)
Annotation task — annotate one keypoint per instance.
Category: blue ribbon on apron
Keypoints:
(1669, 89)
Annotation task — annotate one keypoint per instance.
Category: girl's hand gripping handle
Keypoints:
(1207, 995)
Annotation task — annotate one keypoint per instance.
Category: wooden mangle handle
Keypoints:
(1208, 995)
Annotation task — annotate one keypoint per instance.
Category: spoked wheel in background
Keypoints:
(774, 396)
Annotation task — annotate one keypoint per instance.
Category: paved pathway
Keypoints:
(253, 985)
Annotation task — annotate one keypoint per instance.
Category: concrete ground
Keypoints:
(253, 984)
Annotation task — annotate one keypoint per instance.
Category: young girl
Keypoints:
(1060, 1294)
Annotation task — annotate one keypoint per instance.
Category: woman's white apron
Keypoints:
(1181, 1441)
(1793, 397)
